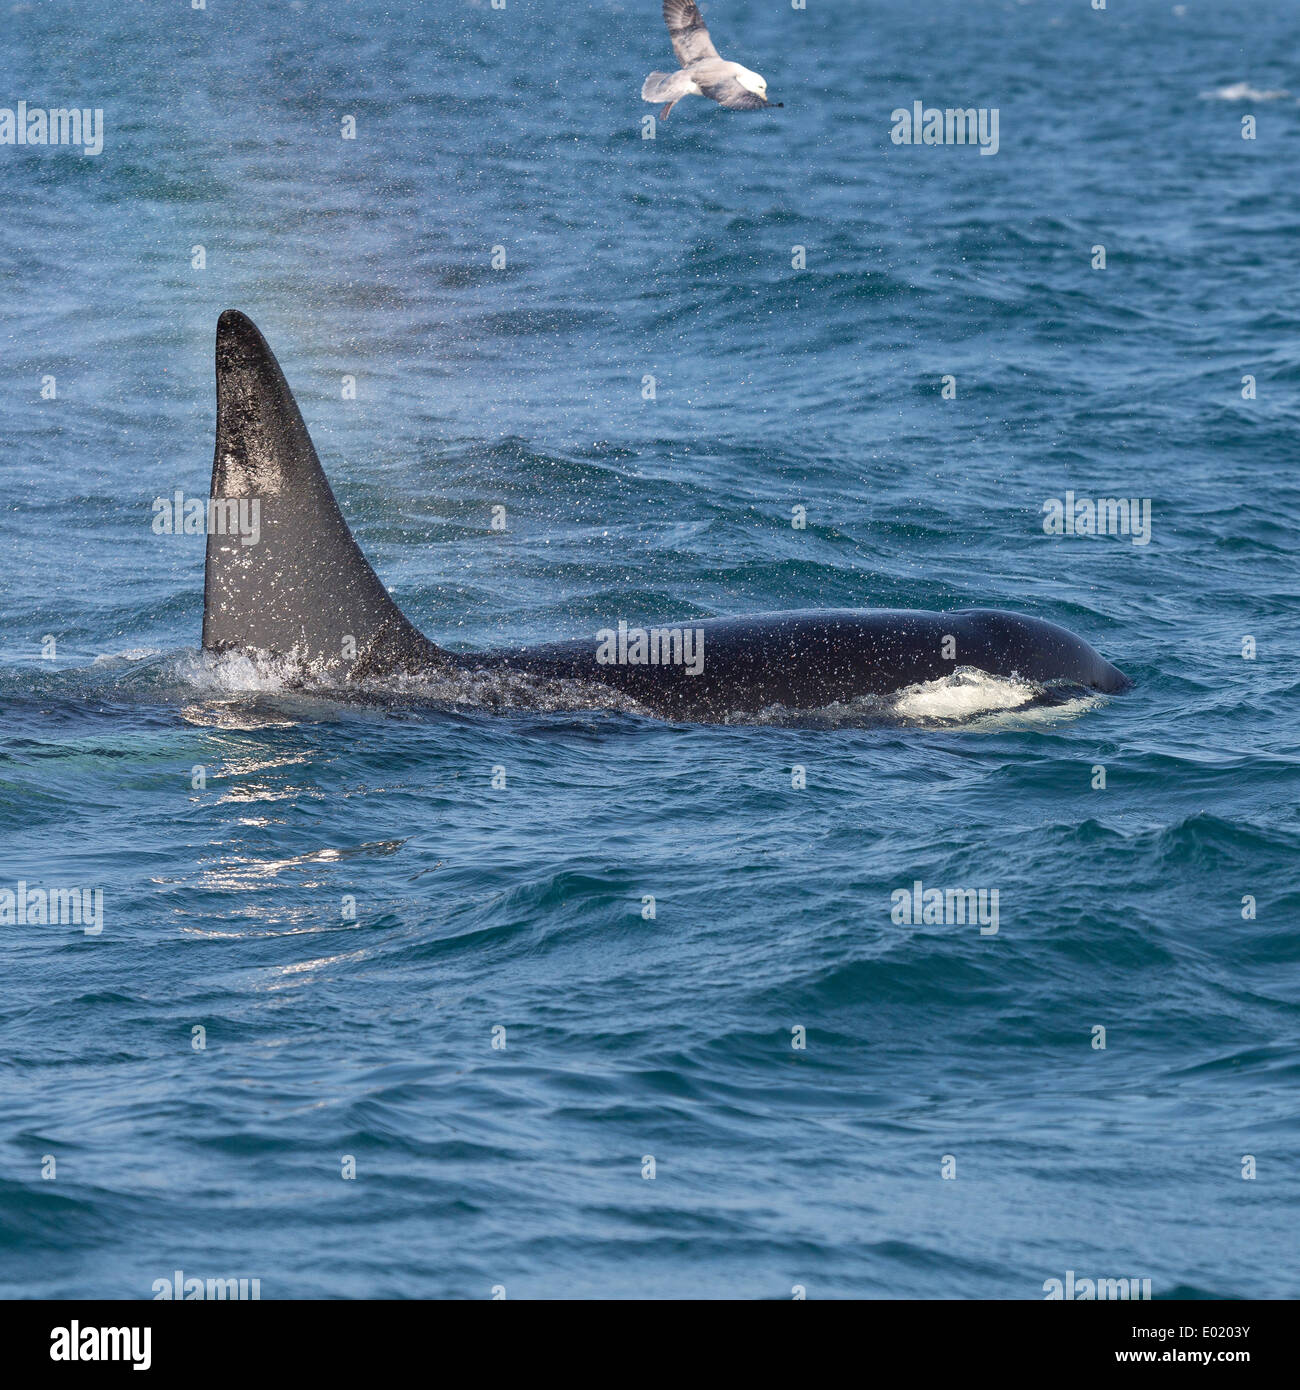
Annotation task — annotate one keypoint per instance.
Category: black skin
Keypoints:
(807, 660)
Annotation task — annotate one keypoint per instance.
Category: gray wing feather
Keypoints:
(731, 94)
(667, 86)
(691, 41)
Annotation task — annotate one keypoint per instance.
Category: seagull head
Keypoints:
(752, 81)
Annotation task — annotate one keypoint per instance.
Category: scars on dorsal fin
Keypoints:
(291, 581)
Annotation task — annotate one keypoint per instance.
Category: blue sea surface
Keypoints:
(417, 935)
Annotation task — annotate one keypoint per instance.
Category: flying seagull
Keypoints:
(703, 72)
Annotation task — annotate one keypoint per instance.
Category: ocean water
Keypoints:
(353, 913)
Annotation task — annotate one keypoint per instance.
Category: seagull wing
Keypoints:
(691, 41)
(667, 86)
(729, 93)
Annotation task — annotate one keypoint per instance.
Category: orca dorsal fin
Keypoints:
(285, 576)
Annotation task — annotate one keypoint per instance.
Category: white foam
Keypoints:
(241, 672)
(1039, 716)
(131, 654)
(963, 695)
(1243, 91)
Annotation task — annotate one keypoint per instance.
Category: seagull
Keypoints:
(703, 73)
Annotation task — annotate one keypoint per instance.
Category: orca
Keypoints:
(306, 594)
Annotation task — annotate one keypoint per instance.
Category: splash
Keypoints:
(132, 654)
(962, 696)
(233, 680)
